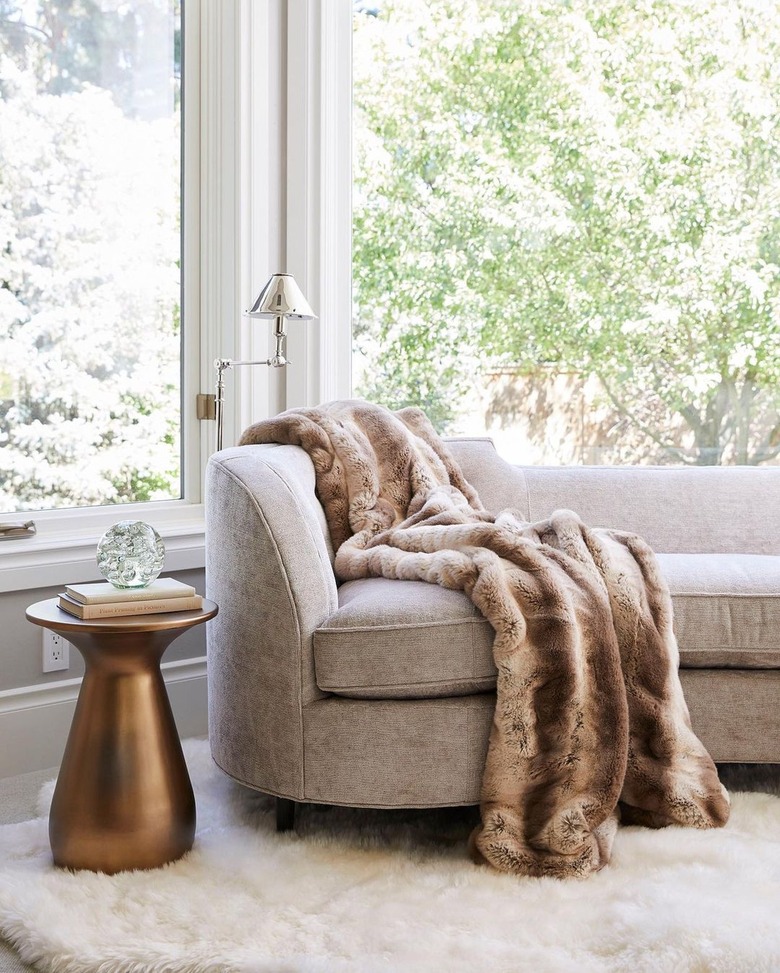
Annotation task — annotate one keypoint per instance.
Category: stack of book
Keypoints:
(102, 600)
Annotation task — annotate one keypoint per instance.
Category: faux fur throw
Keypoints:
(590, 723)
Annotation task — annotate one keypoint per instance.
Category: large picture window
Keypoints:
(566, 224)
(90, 252)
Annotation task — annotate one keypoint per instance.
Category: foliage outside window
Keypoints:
(90, 251)
(567, 215)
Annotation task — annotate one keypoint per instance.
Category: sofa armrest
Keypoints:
(269, 568)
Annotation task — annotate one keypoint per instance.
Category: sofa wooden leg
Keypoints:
(285, 814)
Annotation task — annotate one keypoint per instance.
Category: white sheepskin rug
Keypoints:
(365, 891)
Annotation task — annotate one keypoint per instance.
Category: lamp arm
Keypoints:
(225, 363)
(222, 364)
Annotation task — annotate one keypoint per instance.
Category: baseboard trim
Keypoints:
(34, 720)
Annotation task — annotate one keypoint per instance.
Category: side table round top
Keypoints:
(49, 614)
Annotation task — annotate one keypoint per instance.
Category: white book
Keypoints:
(99, 592)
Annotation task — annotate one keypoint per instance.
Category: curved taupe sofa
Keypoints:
(380, 693)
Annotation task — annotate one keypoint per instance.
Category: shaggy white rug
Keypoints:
(394, 891)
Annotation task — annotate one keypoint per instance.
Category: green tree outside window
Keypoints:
(587, 188)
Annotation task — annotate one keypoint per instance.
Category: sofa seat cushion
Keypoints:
(409, 639)
(726, 609)
(403, 640)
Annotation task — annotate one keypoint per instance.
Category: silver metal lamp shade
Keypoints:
(281, 296)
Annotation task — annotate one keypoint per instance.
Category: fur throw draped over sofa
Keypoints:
(590, 724)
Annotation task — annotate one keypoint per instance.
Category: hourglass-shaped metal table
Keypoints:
(123, 798)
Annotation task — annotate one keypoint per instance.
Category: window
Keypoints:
(232, 221)
(566, 224)
(90, 252)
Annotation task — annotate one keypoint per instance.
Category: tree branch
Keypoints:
(673, 451)
(28, 27)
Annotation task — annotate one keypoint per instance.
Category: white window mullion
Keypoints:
(319, 185)
(262, 199)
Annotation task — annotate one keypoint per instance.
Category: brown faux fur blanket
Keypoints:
(590, 722)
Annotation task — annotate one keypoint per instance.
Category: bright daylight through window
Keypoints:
(90, 252)
(567, 224)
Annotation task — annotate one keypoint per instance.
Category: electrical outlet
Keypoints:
(56, 651)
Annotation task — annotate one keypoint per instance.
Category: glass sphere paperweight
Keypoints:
(130, 554)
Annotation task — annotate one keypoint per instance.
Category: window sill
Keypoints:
(63, 550)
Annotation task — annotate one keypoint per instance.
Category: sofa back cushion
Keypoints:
(716, 509)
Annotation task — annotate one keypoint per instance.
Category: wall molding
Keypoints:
(37, 718)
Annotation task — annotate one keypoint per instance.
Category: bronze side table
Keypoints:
(123, 798)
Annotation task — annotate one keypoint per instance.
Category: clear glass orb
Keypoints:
(130, 554)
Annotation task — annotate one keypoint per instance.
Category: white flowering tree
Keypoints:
(592, 185)
(89, 296)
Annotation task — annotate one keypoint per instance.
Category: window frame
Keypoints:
(63, 548)
(227, 102)
(267, 188)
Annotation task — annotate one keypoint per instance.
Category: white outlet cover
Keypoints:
(56, 652)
